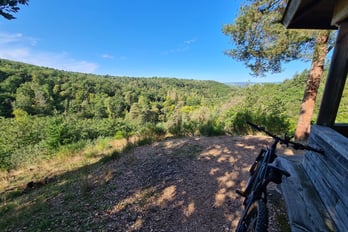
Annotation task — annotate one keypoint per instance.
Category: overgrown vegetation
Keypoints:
(44, 111)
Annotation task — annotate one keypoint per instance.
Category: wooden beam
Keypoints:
(309, 14)
(340, 11)
(290, 11)
(336, 79)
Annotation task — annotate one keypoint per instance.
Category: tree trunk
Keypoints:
(312, 86)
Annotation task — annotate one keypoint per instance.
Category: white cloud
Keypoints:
(107, 56)
(18, 47)
(183, 47)
(16, 38)
(13, 54)
(60, 61)
(191, 41)
(6, 38)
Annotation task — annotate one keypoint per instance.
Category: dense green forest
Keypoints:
(45, 110)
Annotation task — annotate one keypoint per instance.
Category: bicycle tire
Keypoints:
(256, 219)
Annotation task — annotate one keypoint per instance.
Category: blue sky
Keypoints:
(163, 38)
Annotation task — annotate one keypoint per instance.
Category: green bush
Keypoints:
(211, 128)
(176, 128)
(190, 127)
(274, 123)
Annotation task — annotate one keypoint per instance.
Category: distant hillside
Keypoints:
(39, 90)
(244, 84)
(238, 84)
(44, 111)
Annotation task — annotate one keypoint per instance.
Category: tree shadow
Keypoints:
(185, 184)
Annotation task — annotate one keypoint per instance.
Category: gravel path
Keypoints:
(183, 184)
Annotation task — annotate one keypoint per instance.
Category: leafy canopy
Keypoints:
(9, 7)
(262, 42)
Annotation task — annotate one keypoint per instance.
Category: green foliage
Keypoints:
(211, 128)
(20, 137)
(176, 128)
(342, 114)
(153, 131)
(262, 42)
(274, 123)
(59, 132)
(48, 112)
(190, 127)
(124, 130)
(9, 7)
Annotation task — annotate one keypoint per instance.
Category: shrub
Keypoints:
(211, 128)
(274, 123)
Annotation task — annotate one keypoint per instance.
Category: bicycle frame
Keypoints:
(257, 185)
(264, 170)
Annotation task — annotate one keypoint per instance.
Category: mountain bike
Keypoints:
(264, 170)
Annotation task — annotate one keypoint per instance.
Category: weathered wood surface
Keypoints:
(329, 172)
(306, 211)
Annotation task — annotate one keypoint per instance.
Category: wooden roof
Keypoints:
(309, 14)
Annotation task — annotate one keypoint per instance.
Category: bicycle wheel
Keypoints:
(256, 219)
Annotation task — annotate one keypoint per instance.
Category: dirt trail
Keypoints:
(183, 184)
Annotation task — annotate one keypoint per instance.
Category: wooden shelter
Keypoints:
(321, 189)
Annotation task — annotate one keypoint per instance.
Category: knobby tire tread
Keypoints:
(262, 215)
(261, 225)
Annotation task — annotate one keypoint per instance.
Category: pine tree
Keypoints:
(264, 45)
(9, 7)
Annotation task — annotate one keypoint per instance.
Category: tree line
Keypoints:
(45, 110)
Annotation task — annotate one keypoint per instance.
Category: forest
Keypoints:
(45, 110)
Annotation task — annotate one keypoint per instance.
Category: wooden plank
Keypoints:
(329, 172)
(336, 79)
(333, 142)
(305, 209)
(339, 172)
(320, 171)
(332, 201)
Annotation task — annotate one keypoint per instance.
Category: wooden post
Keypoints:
(336, 79)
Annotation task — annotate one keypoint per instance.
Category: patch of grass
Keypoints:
(66, 200)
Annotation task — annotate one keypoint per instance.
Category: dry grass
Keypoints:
(61, 163)
(172, 185)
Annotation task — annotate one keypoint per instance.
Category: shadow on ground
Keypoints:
(183, 184)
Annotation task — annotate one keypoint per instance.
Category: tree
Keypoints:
(9, 7)
(264, 44)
